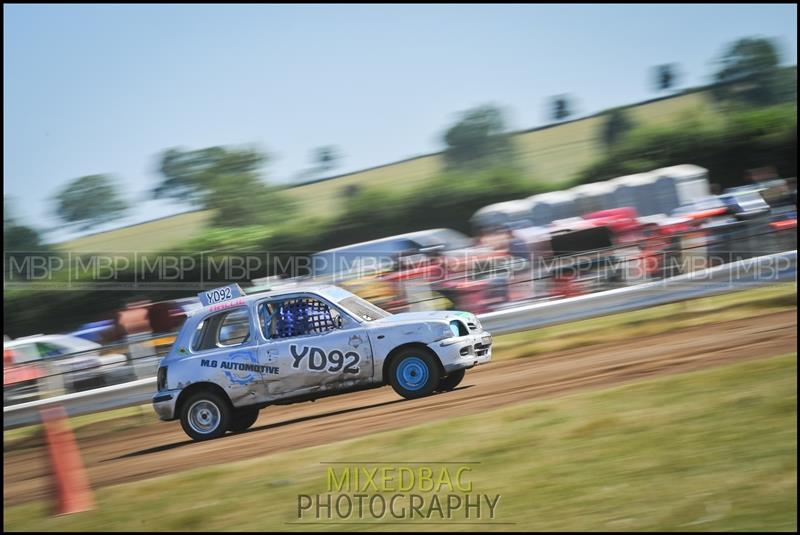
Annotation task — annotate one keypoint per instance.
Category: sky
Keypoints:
(106, 88)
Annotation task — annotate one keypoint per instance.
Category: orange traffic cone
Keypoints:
(73, 493)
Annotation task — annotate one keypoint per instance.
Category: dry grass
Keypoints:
(714, 451)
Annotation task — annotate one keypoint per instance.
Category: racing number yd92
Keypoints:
(318, 361)
(220, 294)
(240, 353)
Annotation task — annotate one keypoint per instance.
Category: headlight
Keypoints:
(161, 378)
(442, 331)
(455, 328)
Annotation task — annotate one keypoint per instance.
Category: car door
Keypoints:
(227, 342)
(311, 345)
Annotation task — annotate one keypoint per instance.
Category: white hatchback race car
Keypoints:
(240, 353)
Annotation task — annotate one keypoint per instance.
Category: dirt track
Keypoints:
(161, 448)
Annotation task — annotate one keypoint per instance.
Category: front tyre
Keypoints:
(452, 380)
(242, 419)
(205, 415)
(414, 373)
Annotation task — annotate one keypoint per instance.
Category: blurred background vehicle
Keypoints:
(79, 363)
(20, 378)
(382, 254)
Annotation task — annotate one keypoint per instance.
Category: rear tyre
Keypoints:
(414, 373)
(242, 419)
(452, 380)
(205, 415)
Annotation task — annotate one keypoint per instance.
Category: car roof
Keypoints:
(328, 291)
(64, 338)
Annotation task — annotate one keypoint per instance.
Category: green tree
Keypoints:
(728, 145)
(90, 200)
(665, 76)
(786, 85)
(191, 175)
(326, 158)
(323, 160)
(226, 180)
(616, 125)
(561, 107)
(351, 190)
(478, 140)
(749, 72)
(16, 236)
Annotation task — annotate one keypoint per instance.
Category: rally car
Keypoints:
(240, 353)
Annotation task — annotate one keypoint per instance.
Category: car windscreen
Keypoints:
(362, 309)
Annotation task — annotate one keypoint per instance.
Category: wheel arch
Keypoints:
(187, 392)
(387, 362)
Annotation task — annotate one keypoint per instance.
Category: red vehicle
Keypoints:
(657, 239)
(604, 249)
(472, 280)
(623, 222)
(477, 280)
(20, 378)
(583, 259)
(412, 270)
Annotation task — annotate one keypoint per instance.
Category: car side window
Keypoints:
(47, 350)
(226, 329)
(234, 328)
(26, 353)
(299, 316)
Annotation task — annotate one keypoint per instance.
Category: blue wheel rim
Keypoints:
(412, 373)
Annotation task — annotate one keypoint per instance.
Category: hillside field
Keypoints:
(552, 154)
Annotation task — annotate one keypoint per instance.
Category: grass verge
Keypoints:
(709, 450)
(647, 322)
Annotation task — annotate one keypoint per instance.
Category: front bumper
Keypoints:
(164, 403)
(464, 352)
